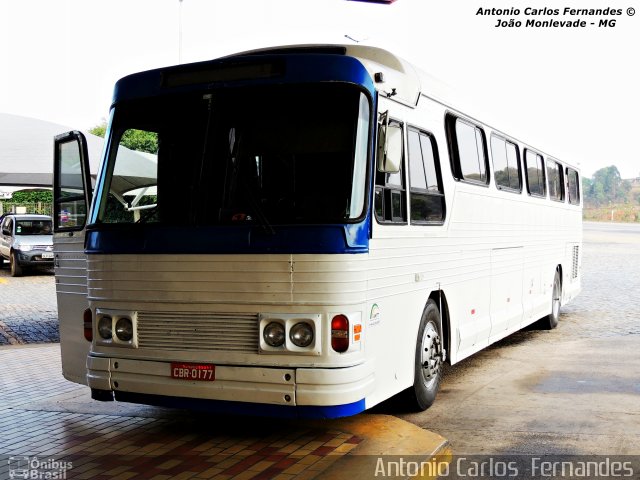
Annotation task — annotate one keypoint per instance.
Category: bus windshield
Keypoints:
(266, 155)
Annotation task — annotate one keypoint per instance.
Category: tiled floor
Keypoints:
(28, 311)
(44, 417)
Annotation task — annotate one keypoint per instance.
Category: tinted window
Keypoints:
(513, 159)
(33, 227)
(426, 194)
(70, 199)
(468, 150)
(8, 225)
(573, 191)
(390, 198)
(556, 181)
(416, 165)
(506, 164)
(239, 156)
(535, 173)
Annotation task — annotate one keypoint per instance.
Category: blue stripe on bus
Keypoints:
(164, 239)
(299, 68)
(244, 408)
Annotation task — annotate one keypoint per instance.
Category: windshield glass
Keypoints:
(268, 155)
(33, 227)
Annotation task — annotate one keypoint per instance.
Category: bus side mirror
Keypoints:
(389, 147)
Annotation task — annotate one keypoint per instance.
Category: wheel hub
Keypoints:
(431, 359)
(556, 300)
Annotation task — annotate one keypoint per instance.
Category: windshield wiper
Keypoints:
(257, 210)
(147, 214)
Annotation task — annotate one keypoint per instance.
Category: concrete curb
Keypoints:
(388, 438)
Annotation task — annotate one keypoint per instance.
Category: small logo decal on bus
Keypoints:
(374, 317)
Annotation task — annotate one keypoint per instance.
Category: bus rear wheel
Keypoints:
(551, 320)
(429, 357)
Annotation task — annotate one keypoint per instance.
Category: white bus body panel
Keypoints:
(182, 303)
(494, 257)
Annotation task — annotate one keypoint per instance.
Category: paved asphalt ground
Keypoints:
(574, 390)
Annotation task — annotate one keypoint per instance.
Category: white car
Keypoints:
(26, 241)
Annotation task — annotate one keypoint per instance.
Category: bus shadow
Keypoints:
(403, 403)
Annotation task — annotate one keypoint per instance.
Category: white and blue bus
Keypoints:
(301, 231)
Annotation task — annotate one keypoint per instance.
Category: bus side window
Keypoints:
(573, 191)
(468, 148)
(506, 164)
(536, 179)
(390, 198)
(556, 181)
(426, 193)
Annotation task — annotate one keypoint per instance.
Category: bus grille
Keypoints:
(574, 268)
(232, 332)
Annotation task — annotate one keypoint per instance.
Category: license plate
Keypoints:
(47, 255)
(203, 372)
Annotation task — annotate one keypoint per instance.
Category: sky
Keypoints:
(572, 92)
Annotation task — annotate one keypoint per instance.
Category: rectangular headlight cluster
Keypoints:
(116, 328)
(290, 333)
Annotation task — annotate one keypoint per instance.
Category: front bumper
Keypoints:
(33, 258)
(145, 381)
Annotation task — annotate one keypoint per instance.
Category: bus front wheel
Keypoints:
(429, 357)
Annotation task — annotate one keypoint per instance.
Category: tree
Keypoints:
(587, 188)
(32, 196)
(99, 130)
(139, 140)
(606, 186)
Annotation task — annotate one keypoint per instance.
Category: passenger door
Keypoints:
(71, 200)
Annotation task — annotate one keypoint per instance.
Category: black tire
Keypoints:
(16, 269)
(551, 321)
(428, 358)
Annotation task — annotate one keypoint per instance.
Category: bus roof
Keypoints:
(393, 76)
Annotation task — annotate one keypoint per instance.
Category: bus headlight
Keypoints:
(116, 328)
(124, 329)
(290, 333)
(105, 327)
(301, 334)
(273, 334)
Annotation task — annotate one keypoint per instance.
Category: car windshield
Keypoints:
(33, 227)
(268, 155)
